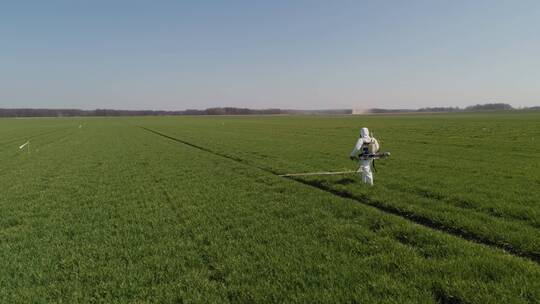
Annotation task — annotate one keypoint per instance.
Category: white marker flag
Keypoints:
(24, 145)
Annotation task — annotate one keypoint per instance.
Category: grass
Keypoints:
(112, 212)
(453, 170)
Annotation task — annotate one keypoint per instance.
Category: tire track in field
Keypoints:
(381, 206)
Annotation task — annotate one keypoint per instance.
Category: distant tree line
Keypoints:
(232, 111)
(245, 111)
(477, 107)
(489, 107)
(77, 112)
(23, 112)
(439, 109)
(108, 112)
(383, 111)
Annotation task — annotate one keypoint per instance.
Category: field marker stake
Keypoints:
(317, 173)
(26, 144)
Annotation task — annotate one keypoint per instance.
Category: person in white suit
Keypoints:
(365, 146)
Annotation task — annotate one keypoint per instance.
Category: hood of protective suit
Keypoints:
(364, 133)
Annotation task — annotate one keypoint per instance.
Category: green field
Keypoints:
(192, 210)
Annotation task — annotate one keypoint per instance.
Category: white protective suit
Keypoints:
(361, 148)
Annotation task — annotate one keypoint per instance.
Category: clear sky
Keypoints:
(261, 54)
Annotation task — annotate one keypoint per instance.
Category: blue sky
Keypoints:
(261, 54)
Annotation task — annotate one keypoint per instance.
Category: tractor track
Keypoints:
(364, 200)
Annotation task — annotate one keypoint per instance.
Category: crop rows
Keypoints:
(454, 172)
(113, 212)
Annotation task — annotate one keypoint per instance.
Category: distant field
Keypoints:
(191, 209)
